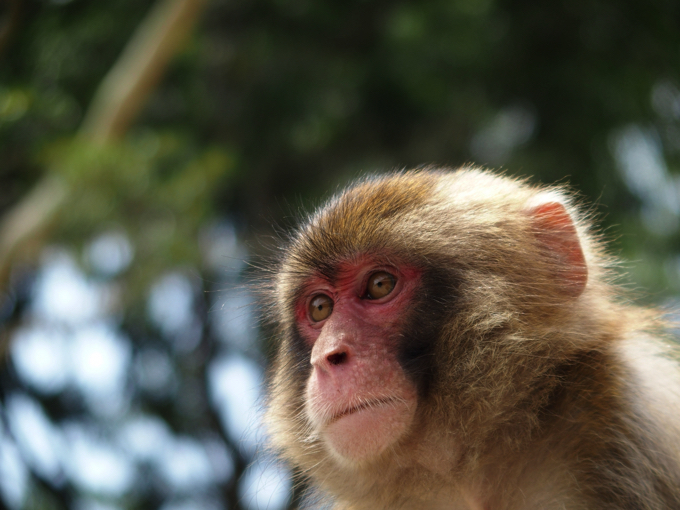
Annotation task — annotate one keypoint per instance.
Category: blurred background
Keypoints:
(153, 151)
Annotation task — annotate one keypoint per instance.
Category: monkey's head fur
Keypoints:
(500, 281)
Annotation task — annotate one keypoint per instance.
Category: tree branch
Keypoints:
(126, 87)
(116, 103)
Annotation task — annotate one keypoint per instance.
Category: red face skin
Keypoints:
(359, 401)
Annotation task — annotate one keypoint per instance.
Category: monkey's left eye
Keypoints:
(380, 284)
(320, 307)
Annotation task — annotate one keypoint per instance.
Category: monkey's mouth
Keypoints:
(361, 407)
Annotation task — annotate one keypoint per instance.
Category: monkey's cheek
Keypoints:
(365, 434)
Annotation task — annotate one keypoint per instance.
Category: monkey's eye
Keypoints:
(320, 307)
(380, 284)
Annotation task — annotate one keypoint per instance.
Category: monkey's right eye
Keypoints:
(380, 284)
(320, 307)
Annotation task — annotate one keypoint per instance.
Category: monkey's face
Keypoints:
(359, 400)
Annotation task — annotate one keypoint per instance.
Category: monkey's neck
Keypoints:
(577, 417)
(587, 421)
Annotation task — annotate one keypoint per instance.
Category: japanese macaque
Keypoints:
(452, 340)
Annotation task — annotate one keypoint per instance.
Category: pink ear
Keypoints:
(556, 232)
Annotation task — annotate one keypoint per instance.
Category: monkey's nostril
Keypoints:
(337, 359)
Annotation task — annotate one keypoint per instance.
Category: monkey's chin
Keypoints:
(362, 434)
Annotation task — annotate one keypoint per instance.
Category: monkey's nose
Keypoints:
(337, 358)
(329, 358)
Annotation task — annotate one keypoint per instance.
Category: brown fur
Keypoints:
(530, 399)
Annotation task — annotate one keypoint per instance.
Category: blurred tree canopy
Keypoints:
(246, 111)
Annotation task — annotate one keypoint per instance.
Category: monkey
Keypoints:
(456, 340)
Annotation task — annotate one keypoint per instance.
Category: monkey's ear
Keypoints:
(556, 232)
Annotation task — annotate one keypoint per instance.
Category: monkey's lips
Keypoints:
(363, 431)
(371, 404)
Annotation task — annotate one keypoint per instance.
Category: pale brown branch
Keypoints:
(22, 226)
(126, 87)
(116, 103)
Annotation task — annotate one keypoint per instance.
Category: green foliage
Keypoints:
(308, 94)
(156, 187)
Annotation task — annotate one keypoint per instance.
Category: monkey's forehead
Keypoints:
(401, 214)
(365, 219)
